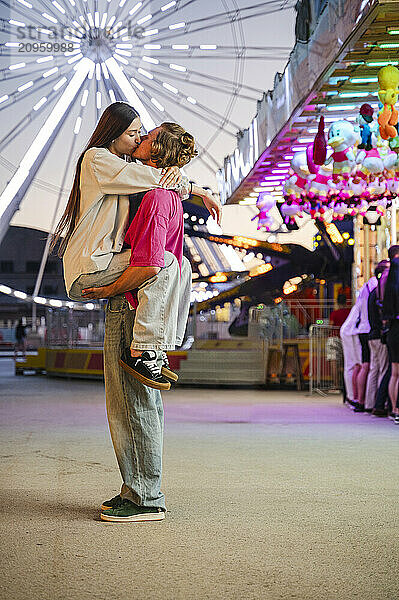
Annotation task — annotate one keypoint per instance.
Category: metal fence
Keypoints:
(74, 328)
(325, 359)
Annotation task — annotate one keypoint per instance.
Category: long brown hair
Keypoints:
(173, 146)
(115, 119)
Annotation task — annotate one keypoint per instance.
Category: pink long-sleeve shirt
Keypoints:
(157, 226)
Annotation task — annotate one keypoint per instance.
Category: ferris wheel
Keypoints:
(63, 61)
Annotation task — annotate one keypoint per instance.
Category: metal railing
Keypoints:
(325, 359)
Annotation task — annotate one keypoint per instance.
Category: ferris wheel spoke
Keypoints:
(218, 20)
(123, 84)
(193, 108)
(212, 51)
(28, 88)
(201, 84)
(23, 12)
(46, 249)
(32, 115)
(183, 72)
(167, 114)
(7, 74)
(20, 181)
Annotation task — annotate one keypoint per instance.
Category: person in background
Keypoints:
(334, 350)
(20, 337)
(363, 330)
(390, 316)
(352, 354)
(379, 361)
(339, 316)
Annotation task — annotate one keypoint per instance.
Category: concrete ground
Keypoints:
(271, 495)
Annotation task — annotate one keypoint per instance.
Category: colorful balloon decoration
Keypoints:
(388, 79)
(361, 170)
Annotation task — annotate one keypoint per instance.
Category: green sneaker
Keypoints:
(128, 512)
(113, 503)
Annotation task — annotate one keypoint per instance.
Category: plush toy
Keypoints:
(357, 186)
(367, 126)
(265, 203)
(341, 137)
(388, 79)
(297, 185)
(322, 184)
(290, 210)
(370, 162)
(319, 146)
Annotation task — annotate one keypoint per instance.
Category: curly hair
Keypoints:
(173, 146)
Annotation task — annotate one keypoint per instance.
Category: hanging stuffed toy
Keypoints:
(367, 126)
(264, 204)
(341, 137)
(388, 79)
(297, 185)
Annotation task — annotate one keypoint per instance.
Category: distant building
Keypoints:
(20, 255)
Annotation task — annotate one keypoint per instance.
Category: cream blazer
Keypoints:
(105, 183)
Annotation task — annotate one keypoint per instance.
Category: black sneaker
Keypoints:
(145, 369)
(166, 370)
(128, 512)
(359, 408)
(113, 503)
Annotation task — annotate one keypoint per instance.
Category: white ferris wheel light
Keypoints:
(144, 19)
(180, 46)
(58, 7)
(121, 59)
(129, 93)
(77, 125)
(135, 8)
(17, 66)
(149, 32)
(85, 95)
(20, 295)
(60, 83)
(98, 100)
(169, 5)
(137, 84)
(25, 86)
(171, 88)
(25, 3)
(49, 18)
(177, 67)
(43, 59)
(16, 23)
(150, 59)
(50, 72)
(3, 98)
(40, 103)
(105, 70)
(177, 25)
(145, 73)
(103, 20)
(157, 104)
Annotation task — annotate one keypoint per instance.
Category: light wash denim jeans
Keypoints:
(163, 301)
(135, 414)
